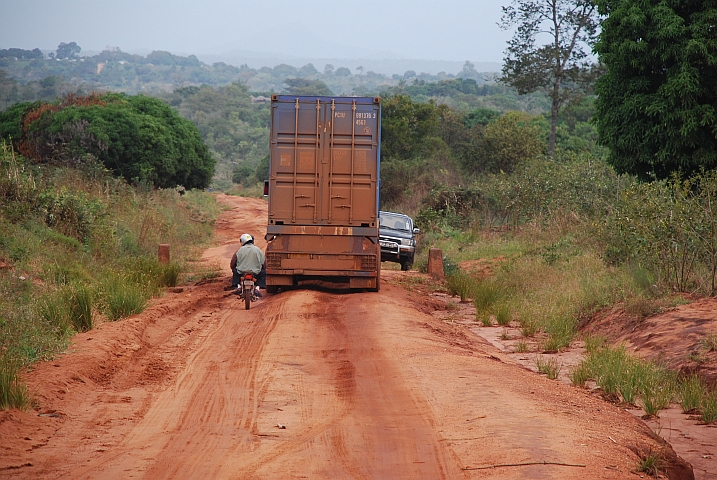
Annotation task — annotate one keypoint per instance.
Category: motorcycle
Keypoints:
(247, 290)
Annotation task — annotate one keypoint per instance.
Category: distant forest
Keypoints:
(229, 104)
(29, 75)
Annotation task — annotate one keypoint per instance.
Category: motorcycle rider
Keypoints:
(249, 258)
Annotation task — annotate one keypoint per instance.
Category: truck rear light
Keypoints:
(266, 188)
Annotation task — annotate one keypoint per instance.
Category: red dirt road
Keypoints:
(367, 385)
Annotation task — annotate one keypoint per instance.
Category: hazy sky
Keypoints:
(412, 29)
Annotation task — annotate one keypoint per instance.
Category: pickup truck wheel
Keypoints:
(406, 265)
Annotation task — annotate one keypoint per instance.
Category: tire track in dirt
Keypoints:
(347, 408)
(208, 412)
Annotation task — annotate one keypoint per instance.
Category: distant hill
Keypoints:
(388, 66)
(27, 75)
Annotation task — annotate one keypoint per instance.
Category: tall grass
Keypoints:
(633, 380)
(461, 284)
(77, 242)
(71, 306)
(13, 394)
(81, 305)
(123, 297)
(709, 407)
(690, 392)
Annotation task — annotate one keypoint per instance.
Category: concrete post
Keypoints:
(163, 253)
(435, 262)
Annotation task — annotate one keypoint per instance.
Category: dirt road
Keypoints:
(306, 384)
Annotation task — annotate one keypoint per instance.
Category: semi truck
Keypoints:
(323, 191)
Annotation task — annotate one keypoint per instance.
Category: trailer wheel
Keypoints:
(272, 289)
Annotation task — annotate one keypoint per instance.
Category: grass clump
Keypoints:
(580, 374)
(709, 407)
(528, 328)
(651, 464)
(690, 392)
(123, 297)
(71, 307)
(13, 394)
(522, 347)
(629, 378)
(549, 367)
(709, 342)
(80, 308)
(502, 313)
(461, 284)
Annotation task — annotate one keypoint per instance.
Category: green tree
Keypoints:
(139, 138)
(510, 140)
(408, 129)
(656, 105)
(68, 50)
(560, 68)
(304, 86)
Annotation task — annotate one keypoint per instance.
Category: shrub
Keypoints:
(136, 137)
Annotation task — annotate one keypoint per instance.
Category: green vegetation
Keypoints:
(561, 67)
(549, 366)
(139, 138)
(656, 104)
(618, 373)
(78, 246)
(637, 381)
(651, 464)
(234, 129)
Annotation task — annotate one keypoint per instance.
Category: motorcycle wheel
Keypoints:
(247, 299)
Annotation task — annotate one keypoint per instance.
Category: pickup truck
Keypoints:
(397, 238)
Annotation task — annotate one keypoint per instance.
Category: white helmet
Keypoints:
(245, 238)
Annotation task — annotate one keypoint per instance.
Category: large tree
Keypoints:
(137, 137)
(68, 50)
(560, 67)
(656, 106)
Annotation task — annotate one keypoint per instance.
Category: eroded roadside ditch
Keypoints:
(694, 442)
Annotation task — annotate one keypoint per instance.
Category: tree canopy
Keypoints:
(303, 86)
(561, 67)
(656, 104)
(137, 137)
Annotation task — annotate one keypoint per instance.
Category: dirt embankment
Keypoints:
(306, 384)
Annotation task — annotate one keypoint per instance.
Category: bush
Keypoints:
(137, 137)
(670, 228)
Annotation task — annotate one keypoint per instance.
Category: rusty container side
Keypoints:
(323, 190)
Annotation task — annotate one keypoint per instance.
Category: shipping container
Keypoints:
(323, 191)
